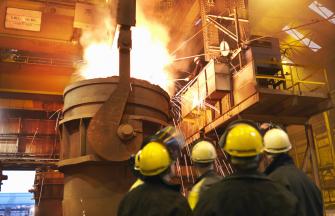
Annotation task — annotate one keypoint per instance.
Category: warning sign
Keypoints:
(23, 19)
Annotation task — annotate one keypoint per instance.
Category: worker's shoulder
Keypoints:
(224, 185)
(259, 183)
(292, 176)
(153, 192)
(287, 173)
(210, 180)
(286, 167)
(214, 177)
(246, 190)
(277, 189)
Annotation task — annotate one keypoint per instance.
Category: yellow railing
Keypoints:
(291, 80)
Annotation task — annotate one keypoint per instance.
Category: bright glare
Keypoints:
(196, 102)
(286, 60)
(322, 11)
(149, 54)
(98, 56)
(150, 57)
(302, 39)
(18, 181)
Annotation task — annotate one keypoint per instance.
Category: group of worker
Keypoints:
(282, 189)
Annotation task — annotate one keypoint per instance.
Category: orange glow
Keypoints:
(98, 58)
(149, 54)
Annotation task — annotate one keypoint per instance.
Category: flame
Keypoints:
(149, 54)
(98, 57)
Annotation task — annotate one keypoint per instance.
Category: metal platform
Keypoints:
(281, 104)
(292, 101)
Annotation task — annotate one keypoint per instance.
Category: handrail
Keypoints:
(270, 77)
(295, 82)
(311, 82)
(284, 79)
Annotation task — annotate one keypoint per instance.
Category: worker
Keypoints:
(199, 65)
(282, 169)
(203, 156)
(246, 192)
(165, 135)
(156, 196)
(136, 171)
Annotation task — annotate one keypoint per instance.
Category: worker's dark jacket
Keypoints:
(248, 193)
(154, 198)
(283, 170)
(203, 183)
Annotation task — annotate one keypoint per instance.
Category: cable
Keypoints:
(188, 57)
(186, 41)
(193, 36)
(248, 41)
(292, 28)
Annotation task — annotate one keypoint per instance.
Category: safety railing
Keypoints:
(40, 60)
(297, 79)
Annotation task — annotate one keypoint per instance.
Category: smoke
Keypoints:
(97, 41)
(150, 58)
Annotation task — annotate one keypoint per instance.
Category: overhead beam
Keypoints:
(27, 163)
(34, 79)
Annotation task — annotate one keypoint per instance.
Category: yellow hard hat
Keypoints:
(203, 152)
(137, 160)
(276, 141)
(154, 159)
(172, 139)
(242, 140)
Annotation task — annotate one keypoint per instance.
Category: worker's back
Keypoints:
(152, 199)
(247, 194)
(283, 171)
(203, 184)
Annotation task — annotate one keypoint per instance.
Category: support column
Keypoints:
(312, 155)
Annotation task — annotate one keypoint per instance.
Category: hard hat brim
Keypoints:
(277, 151)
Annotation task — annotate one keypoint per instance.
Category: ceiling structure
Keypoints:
(35, 66)
(299, 25)
(58, 38)
(312, 19)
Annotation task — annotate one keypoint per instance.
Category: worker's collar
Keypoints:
(210, 172)
(278, 161)
(157, 180)
(247, 174)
